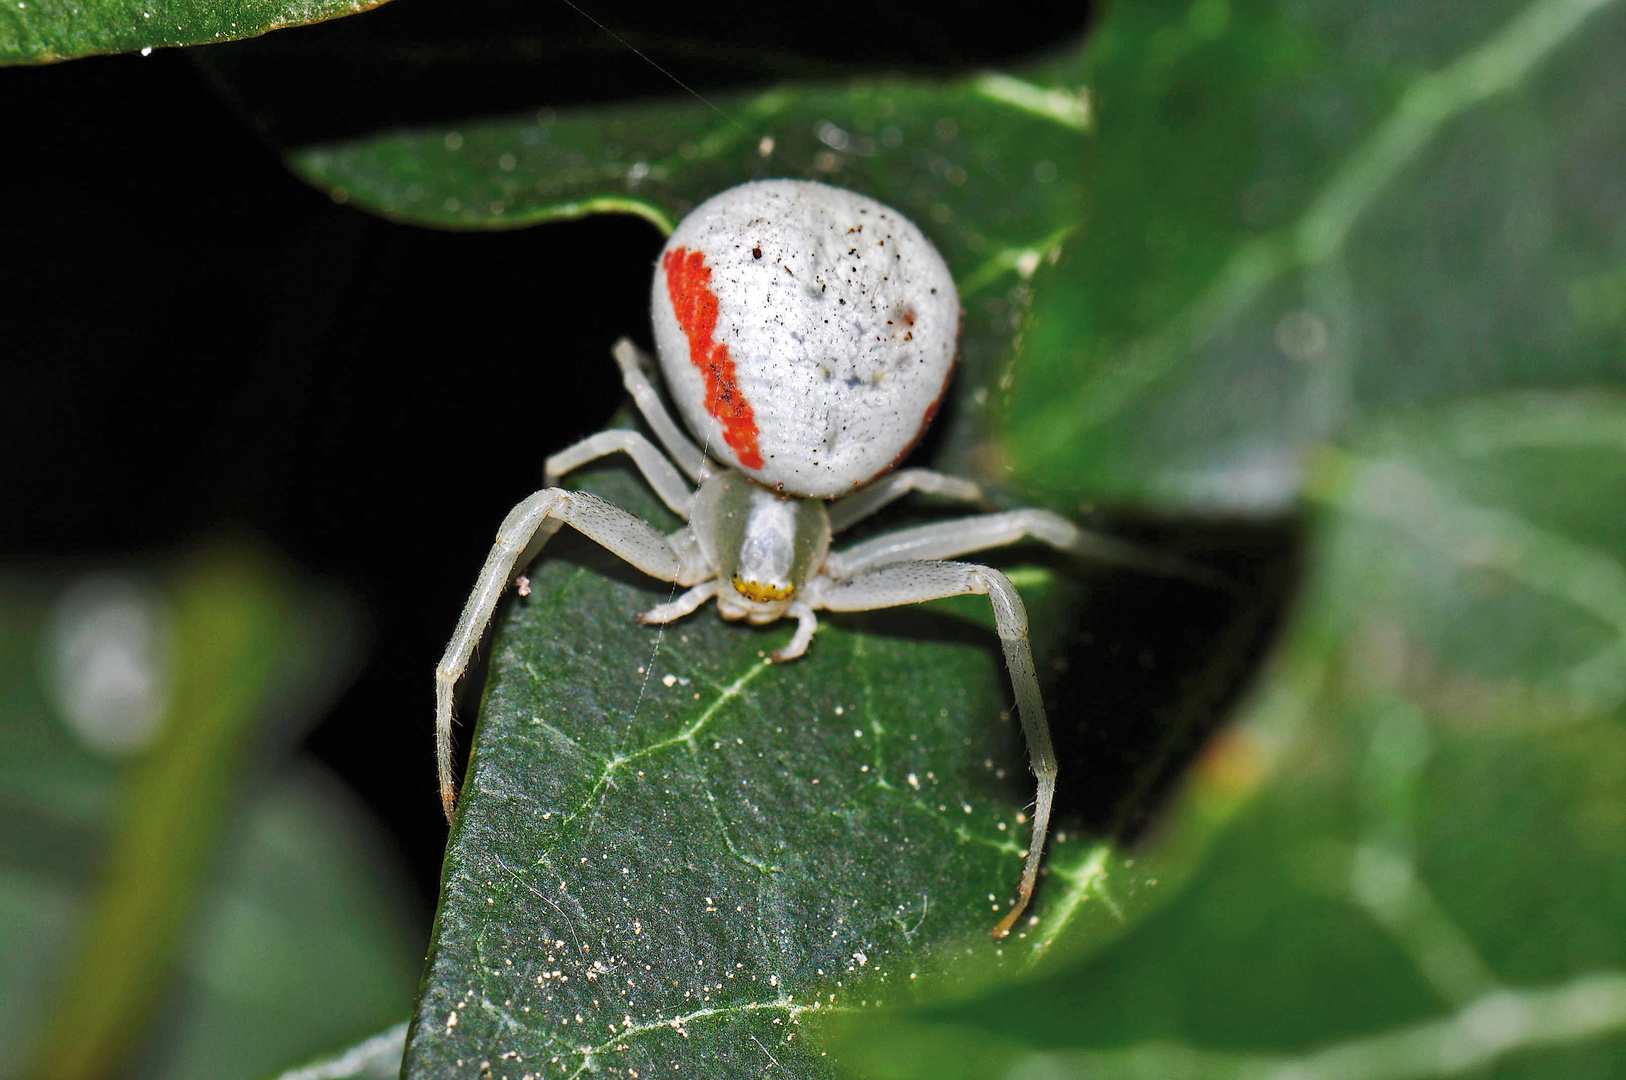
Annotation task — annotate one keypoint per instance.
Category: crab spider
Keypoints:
(806, 334)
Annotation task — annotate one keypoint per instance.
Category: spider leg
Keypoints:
(916, 582)
(662, 477)
(856, 507)
(523, 532)
(683, 605)
(960, 536)
(683, 451)
(807, 624)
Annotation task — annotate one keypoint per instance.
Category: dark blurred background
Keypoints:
(195, 341)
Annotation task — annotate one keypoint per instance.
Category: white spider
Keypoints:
(838, 328)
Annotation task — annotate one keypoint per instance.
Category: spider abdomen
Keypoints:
(805, 332)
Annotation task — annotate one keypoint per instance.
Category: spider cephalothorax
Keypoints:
(806, 334)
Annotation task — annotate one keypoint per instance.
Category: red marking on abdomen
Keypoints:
(688, 283)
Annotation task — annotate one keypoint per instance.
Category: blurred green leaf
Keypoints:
(304, 938)
(154, 914)
(1429, 882)
(1311, 216)
(43, 31)
(229, 621)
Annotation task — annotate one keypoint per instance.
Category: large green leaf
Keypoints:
(669, 853)
(43, 31)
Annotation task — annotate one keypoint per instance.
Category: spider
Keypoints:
(806, 334)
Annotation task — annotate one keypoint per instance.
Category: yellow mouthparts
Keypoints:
(760, 593)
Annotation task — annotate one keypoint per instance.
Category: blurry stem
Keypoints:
(230, 624)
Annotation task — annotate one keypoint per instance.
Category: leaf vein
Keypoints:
(684, 737)
(1081, 881)
(677, 1023)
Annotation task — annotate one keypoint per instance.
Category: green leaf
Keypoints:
(156, 917)
(670, 854)
(375, 1058)
(1307, 219)
(230, 623)
(1429, 882)
(984, 165)
(44, 31)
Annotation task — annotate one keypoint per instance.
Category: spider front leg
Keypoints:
(522, 533)
(688, 456)
(916, 582)
(661, 614)
(658, 472)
